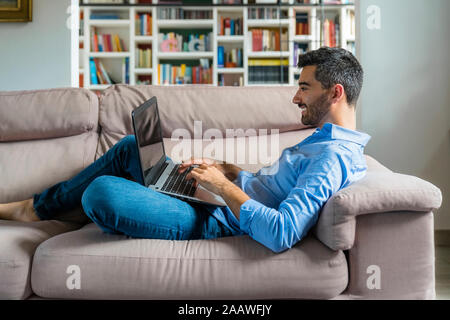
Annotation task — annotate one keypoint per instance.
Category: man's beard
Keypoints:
(316, 110)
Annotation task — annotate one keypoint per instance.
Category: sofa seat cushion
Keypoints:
(18, 241)
(90, 264)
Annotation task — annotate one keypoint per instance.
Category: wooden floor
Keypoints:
(442, 266)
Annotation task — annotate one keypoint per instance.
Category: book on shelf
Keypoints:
(173, 42)
(81, 30)
(183, 74)
(105, 1)
(266, 13)
(104, 16)
(229, 1)
(98, 72)
(144, 57)
(230, 27)
(301, 23)
(231, 80)
(106, 43)
(268, 40)
(268, 71)
(299, 48)
(220, 57)
(143, 24)
(330, 32)
(180, 13)
(229, 59)
(126, 70)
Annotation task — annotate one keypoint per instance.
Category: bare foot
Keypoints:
(19, 211)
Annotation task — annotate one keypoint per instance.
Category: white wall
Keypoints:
(405, 102)
(37, 55)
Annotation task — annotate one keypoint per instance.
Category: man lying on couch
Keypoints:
(275, 207)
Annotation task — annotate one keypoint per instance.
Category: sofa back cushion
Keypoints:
(46, 136)
(216, 107)
(44, 114)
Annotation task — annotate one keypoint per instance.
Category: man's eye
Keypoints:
(303, 89)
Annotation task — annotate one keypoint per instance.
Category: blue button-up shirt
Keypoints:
(286, 197)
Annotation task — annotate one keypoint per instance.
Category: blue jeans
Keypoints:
(119, 205)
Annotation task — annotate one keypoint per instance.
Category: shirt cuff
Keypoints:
(247, 210)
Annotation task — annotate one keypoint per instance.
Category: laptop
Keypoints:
(158, 171)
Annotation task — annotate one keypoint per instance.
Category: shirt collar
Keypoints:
(333, 131)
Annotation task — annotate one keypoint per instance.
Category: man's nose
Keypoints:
(297, 98)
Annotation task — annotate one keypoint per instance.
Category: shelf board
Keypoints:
(230, 70)
(230, 9)
(268, 54)
(143, 70)
(304, 38)
(185, 55)
(109, 54)
(186, 23)
(267, 22)
(110, 23)
(143, 39)
(239, 38)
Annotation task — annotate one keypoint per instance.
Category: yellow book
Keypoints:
(149, 58)
(183, 70)
(117, 42)
(159, 73)
(268, 62)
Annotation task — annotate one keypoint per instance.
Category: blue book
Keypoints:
(104, 16)
(93, 71)
(220, 56)
(239, 57)
(232, 27)
(127, 70)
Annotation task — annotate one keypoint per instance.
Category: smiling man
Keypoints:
(276, 209)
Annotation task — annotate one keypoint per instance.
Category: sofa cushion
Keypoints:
(110, 266)
(218, 107)
(379, 191)
(235, 150)
(44, 114)
(18, 241)
(29, 167)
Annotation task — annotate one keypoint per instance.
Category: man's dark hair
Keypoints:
(335, 66)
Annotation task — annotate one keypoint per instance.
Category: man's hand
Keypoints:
(208, 176)
(229, 170)
(217, 178)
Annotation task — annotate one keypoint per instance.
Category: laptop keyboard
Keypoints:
(177, 183)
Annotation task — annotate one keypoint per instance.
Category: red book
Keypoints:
(332, 34)
(260, 40)
(99, 72)
(221, 26)
(95, 43)
(227, 27)
(254, 40)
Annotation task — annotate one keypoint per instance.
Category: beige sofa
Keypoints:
(373, 240)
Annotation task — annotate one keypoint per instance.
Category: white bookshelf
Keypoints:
(125, 28)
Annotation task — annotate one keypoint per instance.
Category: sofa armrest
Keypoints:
(377, 192)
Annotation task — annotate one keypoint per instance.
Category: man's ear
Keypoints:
(337, 93)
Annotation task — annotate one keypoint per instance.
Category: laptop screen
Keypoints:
(149, 138)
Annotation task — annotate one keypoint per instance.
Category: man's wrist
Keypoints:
(226, 187)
